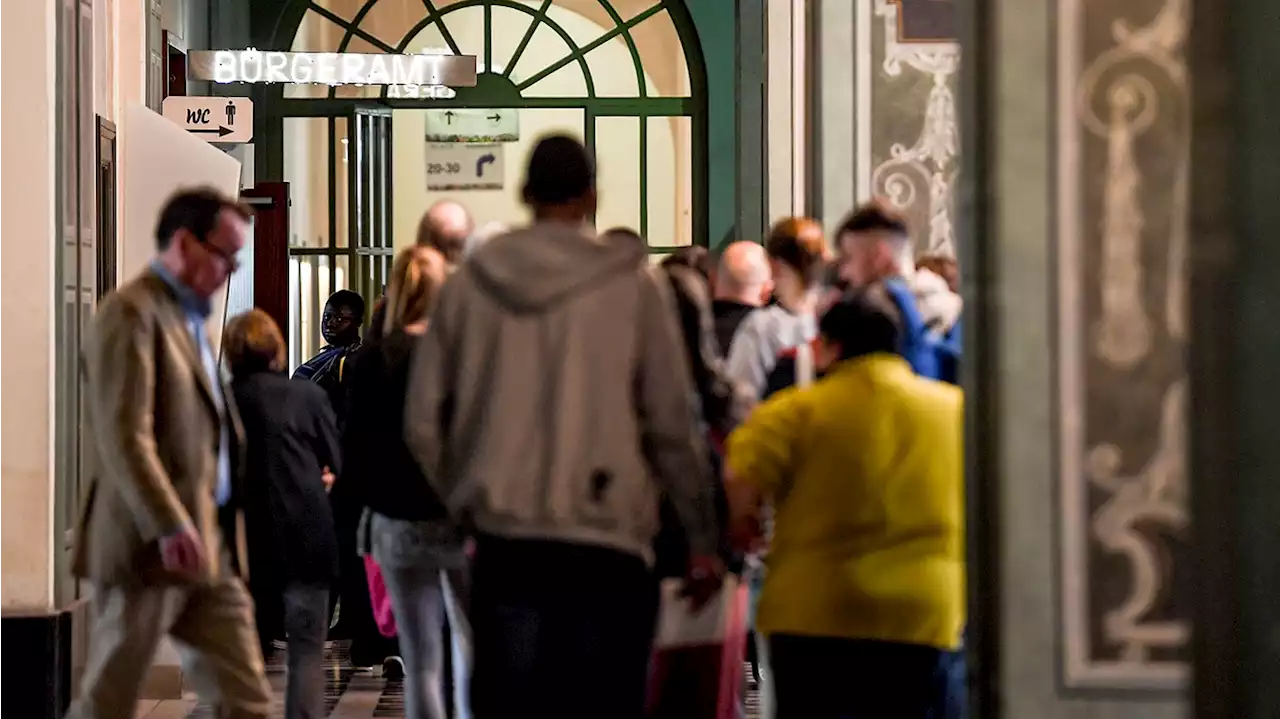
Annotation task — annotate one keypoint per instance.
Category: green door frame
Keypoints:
(494, 90)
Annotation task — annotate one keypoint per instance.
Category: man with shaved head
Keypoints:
(743, 282)
(446, 227)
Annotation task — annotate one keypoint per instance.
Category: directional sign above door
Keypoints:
(473, 125)
(473, 166)
(214, 119)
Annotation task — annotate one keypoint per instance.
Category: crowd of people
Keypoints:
(483, 487)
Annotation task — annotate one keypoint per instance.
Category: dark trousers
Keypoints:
(306, 620)
(355, 611)
(830, 678)
(955, 677)
(560, 630)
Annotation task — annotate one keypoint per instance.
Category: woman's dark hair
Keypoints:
(348, 299)
(876, 215)
(694, 257)
(862, 323)
(692, 295)
(196, 211)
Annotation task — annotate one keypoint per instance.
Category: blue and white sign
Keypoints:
(464, 166)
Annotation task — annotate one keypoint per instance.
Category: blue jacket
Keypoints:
(930, 354)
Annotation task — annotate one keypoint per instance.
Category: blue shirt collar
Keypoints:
(191, 303)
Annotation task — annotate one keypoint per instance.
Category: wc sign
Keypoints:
(212, 119)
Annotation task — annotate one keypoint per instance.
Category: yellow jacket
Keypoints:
(864, 472)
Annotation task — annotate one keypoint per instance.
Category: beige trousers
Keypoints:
(213, 628)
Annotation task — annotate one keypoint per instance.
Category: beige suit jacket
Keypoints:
(154, 435)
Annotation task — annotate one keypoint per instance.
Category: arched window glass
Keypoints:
(614, 73)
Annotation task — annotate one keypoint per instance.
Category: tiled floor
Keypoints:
(350, 694)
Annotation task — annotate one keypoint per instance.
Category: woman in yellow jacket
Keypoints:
(863, 470)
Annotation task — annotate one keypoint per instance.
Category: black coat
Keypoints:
(291, 436)
(381, 474)
(715, 400)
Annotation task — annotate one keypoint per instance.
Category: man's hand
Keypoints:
(703, 580)
(328, 478)
(182, 552)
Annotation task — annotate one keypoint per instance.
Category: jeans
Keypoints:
(306, 620)
(414, 557)
(833, 678)
(561, 631)
(955, 677)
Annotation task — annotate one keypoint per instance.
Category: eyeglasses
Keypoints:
(232, 262)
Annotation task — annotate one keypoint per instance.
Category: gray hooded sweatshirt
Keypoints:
(550, 398)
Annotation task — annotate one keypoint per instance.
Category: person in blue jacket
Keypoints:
(874, 246)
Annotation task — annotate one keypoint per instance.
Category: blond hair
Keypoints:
(252, 343)
(416, 277)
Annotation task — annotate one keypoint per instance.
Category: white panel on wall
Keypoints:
(780, 130)
(917, 170)
(239, 296)
(158, 159)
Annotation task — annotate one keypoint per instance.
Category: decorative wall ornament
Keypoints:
(917, 177)
(1124, 166)
(1158, 495)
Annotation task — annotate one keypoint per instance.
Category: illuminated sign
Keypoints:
(332, 68)
(421, 92)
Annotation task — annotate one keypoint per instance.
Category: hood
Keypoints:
(531, 269)
(939, 306)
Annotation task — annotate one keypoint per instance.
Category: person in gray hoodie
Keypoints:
(551, 405)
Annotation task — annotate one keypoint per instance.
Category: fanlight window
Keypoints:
(613, 72)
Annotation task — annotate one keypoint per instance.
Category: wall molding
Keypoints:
(1123, 158)
(915, 173)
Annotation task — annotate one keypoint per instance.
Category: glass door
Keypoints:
(371, 248)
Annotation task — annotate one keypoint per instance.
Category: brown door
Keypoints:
(270, 201)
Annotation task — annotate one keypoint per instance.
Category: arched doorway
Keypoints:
(626, 76)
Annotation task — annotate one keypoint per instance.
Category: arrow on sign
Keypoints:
(495, 117)
(485, 160)
(221, 131)
(448, 117)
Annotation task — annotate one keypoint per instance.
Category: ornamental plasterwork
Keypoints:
(923, 170)
(1132, 104)
(1128, 106)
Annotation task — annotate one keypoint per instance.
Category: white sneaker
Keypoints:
(393, 668)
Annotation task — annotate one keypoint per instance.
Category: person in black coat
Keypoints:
(292, 448)
(716, 401)
(411, 535)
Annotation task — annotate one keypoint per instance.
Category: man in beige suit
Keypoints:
(161, 503)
